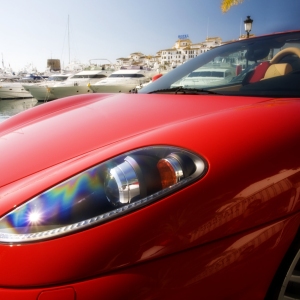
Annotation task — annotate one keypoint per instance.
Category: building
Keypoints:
(138, 59)
(184, 49)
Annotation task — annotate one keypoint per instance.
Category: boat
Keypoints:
(41, 90)
(140, 86)
(12, 88)
(78, 84)
(204, 77)
(123, 80)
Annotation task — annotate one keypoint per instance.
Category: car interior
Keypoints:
(277, 76)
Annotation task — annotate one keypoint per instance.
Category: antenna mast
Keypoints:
(207, 28)
(69, 39)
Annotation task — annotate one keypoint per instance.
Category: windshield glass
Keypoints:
(57, 78)
(261, 66)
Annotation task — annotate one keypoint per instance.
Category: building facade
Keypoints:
(184, 49)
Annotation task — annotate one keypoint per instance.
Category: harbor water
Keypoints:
(11, 107)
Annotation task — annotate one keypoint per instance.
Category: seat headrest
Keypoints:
(278, 70)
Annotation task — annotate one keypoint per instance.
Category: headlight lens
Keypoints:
(103, 192)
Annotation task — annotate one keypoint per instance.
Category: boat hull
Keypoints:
(41, 93)
(66, 91)
(13, 92)
(114, 88)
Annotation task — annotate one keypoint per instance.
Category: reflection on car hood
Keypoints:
(69, 127)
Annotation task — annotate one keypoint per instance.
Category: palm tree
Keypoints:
(226, 4)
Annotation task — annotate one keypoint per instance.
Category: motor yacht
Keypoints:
(41, 90)
(12, 87)
(77, 84)
(205, 76)
(123, 81)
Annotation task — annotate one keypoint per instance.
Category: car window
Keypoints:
(262, 66)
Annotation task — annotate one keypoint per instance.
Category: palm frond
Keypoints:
(226, 4)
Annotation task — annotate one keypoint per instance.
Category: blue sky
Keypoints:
(33, 31)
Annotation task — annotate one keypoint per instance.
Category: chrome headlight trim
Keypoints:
(7, 234)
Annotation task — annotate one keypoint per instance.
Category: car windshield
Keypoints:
(217, 73)
(259, 66)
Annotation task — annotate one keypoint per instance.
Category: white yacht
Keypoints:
(123, 81)
(77, 84)
(12, 87)
(41, 90)
(12, 90)
(203, 77)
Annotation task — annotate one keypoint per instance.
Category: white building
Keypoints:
(138, 59)
(184, 49)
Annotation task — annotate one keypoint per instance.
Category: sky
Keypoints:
(33, 31)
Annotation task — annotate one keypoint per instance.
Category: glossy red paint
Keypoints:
(237, 220)
(95, 121)
(173, 224)
(239, 254)
(66, 293)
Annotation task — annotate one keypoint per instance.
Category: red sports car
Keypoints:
(188, 189)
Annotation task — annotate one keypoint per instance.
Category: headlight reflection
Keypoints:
(101, 193)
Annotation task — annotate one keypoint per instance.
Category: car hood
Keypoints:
(57, 131)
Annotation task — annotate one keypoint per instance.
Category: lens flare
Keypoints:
(34, 217)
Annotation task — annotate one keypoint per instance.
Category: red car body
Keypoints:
(222, 236)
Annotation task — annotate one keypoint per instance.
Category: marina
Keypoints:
(78, 78)
(151, 154)
(9, 108)
(29, 88)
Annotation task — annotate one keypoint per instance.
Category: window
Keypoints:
(127, 75)
(88, 76)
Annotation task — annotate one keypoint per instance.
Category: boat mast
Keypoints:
(207, 28)
(69, 39)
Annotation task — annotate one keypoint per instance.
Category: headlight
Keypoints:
(108, 190)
